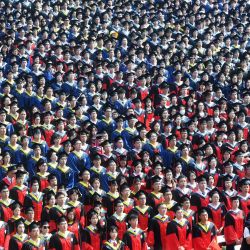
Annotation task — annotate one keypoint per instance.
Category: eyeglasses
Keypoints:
(46, 227)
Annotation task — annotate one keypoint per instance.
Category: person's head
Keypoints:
(20, 228)
(51, 199)
(113, 186)
(133, 220)
(244, 186)
(60, 198)
(119, 206)
(179, 213)
(73, 194)
(93, 218)
(203, 215)
(215, 197)
(29, 213)
(167, 194)
(185, 202)
(5, 192)
(182, 181)
(202, 183)
(45, 227)
(52, 179)
(235, 202)
(71, 214)
(162, 209)
(16, 209)
(35, 185)
(20, 177)
(113, 232)
(34, 230)
(62, 224)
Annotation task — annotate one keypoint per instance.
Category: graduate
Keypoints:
(65, 175)
(63, 239)
(179, 232)
(204, 232)
(73, 223)
(145, 212)
(34, 242)
(157, 229)
(155, 197)
(73, 202)
(57, 211)
(17, 240)
(34, 198)
(188, 213)
(19, 191)
(9, 180)
(118, 219)
(49, 202)
(170, 203)
(181, 189)
(234, 224)
(92, 235)
(110, 197)
(200, 198)
(29, 218)
(125, 196)
(113, 242)
(16, 211)
(77, 159)
(216, 210)
(134, 238)
(5, 204)
(244, 196)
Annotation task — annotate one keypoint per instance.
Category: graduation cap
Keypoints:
(244, 182)
(201, 178)
(12, 168)
(15, 205)
(105, 143)
(214, 191)
(3, 188)
(123, 187)
(203, 210)
(136, 179)
(227, 178)
(117, 202)
(18, 222)
(3, 125)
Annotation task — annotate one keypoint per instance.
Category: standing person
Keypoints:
(179, 232)
(246, 238)
(5, 204)
(34, 242)
(134, 238)
(17, 240)
(63, 239)
(113, 243)
(234, 224)
(157, 229)
(204, 232)
(91, 236)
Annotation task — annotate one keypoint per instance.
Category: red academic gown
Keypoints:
(58, 241)
(18, 193)
(16, 242)
(31, 200)
(79, 211)
(31, 245)
(154, 200)
(245, 203)
(202, 237)
(144, 215)
(157, 232)
(217, 214)
(198, 200)
(5, 210)
(91, 239)
(54, 214)
(73, 227)
(190, 216)
(120, 222)
(234, 224)
(134, 240)
(179, 234)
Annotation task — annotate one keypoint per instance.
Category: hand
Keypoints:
(181, 248)
(238, 242)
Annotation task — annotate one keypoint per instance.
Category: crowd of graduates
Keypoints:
(124, 125)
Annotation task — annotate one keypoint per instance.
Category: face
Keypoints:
(204, 217)
(20, 229)
(94, 220)
(63, 226)
(113, 234)
(162, 209)
(119, 208)
(133, 223)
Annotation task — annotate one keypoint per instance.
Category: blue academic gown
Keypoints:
(78, 162)
(65, 178)
(127, 136)
(101, 175)
(23, 157)
(31, 166)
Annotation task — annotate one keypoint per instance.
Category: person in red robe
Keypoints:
(155, 197)
(216, 210)
(245, 196)
(179, 232)
(73, 223)
(34, 199)
(17, 240)
(63, 239)
(5, 204)
(92, 235)
(113, 242)
(134, 238)
(19, 191)
(118, 219)
(157, 229)
(200, 198)
(144, 211)
(204, 232)
(189, 214)
(234, 224)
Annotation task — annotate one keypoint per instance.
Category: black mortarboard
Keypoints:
(155, 179)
